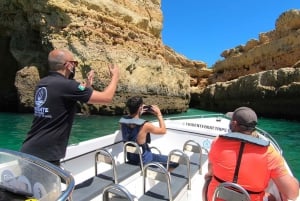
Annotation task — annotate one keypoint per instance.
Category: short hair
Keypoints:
(134, 103)
(56, 59)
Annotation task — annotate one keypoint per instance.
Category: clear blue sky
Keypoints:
(202, 30)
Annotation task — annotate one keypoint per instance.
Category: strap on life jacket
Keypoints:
(238, 163)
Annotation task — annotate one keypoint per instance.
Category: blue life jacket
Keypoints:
(130, 128)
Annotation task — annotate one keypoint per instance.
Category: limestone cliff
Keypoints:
(125, 32)
(272, 93)
(276, 49)
(263, 74)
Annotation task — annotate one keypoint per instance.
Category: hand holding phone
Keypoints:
(147, 108)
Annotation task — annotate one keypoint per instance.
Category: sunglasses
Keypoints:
(74, 63)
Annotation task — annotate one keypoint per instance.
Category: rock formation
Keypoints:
(276, 49)
(271, 93)
(126, 32)
(263, 74)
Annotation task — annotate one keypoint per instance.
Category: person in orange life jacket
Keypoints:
(56, 96)
(259, 161)
(135, 129)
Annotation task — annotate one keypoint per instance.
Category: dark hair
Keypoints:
(134, 103)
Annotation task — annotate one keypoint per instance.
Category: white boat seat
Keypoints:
(197, 158)
(134, 148)
(117, 192)
(183, 169)
(155, 150)
(231, 192)
(169, 185)
(94, 186)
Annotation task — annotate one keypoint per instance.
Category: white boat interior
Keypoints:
(186, 136)
(101, 171)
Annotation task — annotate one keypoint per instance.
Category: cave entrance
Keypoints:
(8, 69)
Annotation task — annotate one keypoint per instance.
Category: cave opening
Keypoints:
(8, 69)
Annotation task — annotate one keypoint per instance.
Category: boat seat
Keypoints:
(117, 192)
(231, 192)
(197, 158)
(183, 169)
(169, 185)
(134, 148)
(94, 186)
(155, 149)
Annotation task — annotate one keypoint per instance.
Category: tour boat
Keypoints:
(98, 169)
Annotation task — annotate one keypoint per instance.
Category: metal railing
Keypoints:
(18, 159)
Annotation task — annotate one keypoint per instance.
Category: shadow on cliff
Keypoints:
(25, 34)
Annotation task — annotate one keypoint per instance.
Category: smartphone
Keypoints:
(147, 108)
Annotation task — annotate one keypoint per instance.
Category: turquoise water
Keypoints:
(13, 129)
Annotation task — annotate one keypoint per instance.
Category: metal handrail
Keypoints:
(227, 186)
(178, 156)
(117, 189)
(109, 159)
(65, 176)
(134, 148)
(160, 170)
(195, 147)
(195, 116)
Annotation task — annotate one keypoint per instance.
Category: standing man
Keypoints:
(55, 106)
(243, 157)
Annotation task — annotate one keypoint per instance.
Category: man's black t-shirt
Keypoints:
(54, 110)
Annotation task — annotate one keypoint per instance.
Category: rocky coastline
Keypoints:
(263, 74)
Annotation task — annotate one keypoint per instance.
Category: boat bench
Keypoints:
(197, 158)
(117, 192)
(179, 177)
(94, 186)
(169, 185)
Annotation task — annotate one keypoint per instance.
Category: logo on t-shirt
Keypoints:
(81, 87)
(40, 99)
(40, 96)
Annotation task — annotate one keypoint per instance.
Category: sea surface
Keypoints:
(13, 129)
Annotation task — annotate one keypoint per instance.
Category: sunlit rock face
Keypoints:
(126, 33)
(263, 74)
(271, 93)
(276, 49)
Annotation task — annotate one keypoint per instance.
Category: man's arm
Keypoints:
(209, 173)
(161, 130)
(107, 95)
(288, 186)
